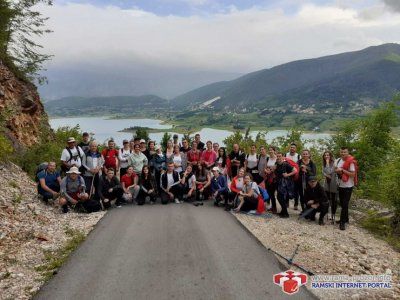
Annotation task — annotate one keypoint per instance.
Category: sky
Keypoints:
(167, 47)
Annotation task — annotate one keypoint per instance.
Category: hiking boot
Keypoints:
(65, 209)
(283, 216)
(321, 222)
(342, 226)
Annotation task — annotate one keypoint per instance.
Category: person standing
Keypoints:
(222, 161)
(123, 156)
(159, 161)
(177, 159)
(71, 156)
(237, 158)
(215, 147)
(110, 157)
(307, 168)
(292, 154)
(175, 139)
(251, 164)
(185, 147)
(193, 156)
(169, 152)
(200, 144)
(346, 169)
(208, 156)
(283, 173)
(270, 178)
(137, 160)
(92, 163)
(330, 181)
(84, 144)
(262, 163)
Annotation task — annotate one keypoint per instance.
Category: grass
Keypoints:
(55, 259)
(13, 184)
(17, 198)
(381, 228)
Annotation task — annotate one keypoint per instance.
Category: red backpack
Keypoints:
(295, 166)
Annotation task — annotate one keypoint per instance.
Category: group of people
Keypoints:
(141, 172)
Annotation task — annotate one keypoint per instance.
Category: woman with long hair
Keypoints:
(331, 184)
(221, 161)
(148, 186)
(177, 159)
(307, 168)
(203, 181)
(169, 152)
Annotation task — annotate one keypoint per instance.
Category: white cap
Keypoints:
(215, 169)
(142, 141)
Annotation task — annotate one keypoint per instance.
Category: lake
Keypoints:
(103, 129)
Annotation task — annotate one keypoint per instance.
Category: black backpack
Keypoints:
(40, 168)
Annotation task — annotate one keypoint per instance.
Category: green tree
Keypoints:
(20, 25)
(142, 133)
(166, 137)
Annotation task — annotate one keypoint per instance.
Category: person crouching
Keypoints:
(219, 187)
(110, 189)
(316, 200)
(72, 190)
(170, 185)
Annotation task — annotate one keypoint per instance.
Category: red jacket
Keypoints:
(233, 185)
(346, 166)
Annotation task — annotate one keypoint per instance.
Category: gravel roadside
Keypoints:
(327, 250)
(29, 232)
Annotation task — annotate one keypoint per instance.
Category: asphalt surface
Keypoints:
(177, 251)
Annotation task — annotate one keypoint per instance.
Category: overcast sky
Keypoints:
(221, 38)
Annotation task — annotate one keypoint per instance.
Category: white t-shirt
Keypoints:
(271, 162)
(295, 157)
(177, 159)
(170, 179)
(252, 161)
(350, 182)
(75, 160)
(191, 181)
(123, 156)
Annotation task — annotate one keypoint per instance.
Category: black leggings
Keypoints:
(332, 202)
(271, 192)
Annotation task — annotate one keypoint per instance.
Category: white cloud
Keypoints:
(237, 41)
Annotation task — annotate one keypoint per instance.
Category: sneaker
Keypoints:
(321, 222)
(283, 216)
(177, 201)
(65, 209)
(152, 202)
(118, 205)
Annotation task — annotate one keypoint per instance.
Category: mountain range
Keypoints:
(351, 79)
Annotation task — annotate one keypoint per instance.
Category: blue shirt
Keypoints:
(50, 179)
(219, 184)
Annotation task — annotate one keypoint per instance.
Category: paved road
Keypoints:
(177, 251)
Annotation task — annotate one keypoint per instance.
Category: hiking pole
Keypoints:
(290, 261)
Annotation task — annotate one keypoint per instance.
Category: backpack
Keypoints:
(40, 168)
(295, 166)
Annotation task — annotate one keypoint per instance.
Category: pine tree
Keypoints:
(20, 25)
